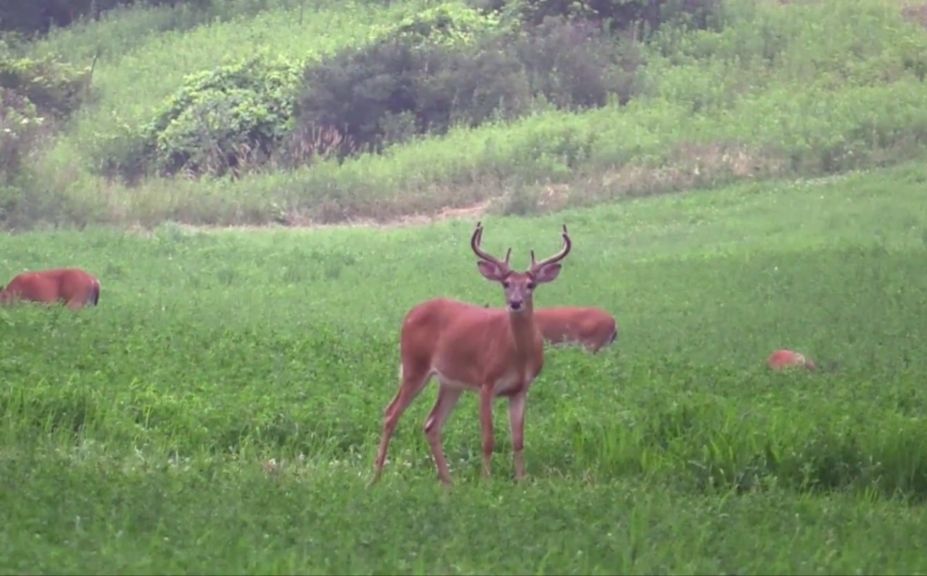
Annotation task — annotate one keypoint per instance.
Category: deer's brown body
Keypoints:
(593, 328)
(784, 359)
(435, 339)
(72, 286)
(494, 352)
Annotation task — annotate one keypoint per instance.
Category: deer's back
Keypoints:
(561, 322)
(50, 285)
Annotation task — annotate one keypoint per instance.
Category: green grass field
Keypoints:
(219, 411)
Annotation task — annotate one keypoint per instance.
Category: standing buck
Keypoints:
(593, 328)
(494, 352)
(72, 286)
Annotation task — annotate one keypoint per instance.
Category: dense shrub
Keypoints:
(357, 92)
(445, 24)
(20, 128)
(481, 84)
(230, 118)
(30, 16)
(419, 81)
(54, 88)
(574, 64)
(391, 91)
(613, 14)
(401, 84)
(34, 93)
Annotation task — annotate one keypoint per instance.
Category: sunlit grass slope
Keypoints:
(779, 90)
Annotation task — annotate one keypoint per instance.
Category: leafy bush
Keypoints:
(19, 131)
(482, 84)
(614, 14)
(426, 79)
(575, 65)
(358, 92)
(230, 118)
(33, 94)
(445, 24)
(401, 84)
(389, 91)
(39, 15)
(19, 126)
(53, 87)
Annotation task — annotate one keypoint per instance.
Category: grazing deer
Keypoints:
(593, 328)
(73, 286)
(783, 359)
(492, 351)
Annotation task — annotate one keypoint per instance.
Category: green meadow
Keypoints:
(753, 182)
(219, 410)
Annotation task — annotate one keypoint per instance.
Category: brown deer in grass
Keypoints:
(784, 359)
(72, 286)
(493, 352)
(593, 328)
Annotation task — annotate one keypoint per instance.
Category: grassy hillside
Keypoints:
(775, 90)
(220, 409)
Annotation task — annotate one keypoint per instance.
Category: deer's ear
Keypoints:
(547, 273)
(489, 270)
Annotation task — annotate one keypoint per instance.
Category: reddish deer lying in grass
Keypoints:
(75, 287)
(593, 328)
(784, 359)
(494, 352)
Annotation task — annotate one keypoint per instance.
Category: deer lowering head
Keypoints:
(72, 286)
(518, 286)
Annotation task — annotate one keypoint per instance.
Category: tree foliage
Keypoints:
(37, 16)
(225, 119)
(34, 93)
(613, 14)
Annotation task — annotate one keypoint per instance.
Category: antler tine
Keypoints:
(475, 244)
(567, 245)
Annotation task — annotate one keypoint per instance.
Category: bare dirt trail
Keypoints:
(473, 211)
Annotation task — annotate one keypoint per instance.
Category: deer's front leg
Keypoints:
(486, 398)
(517, 422)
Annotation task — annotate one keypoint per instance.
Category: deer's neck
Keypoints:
(523, 328)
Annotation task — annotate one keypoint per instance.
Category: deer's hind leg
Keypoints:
(517, 423)
(413, 382)
(444, 405)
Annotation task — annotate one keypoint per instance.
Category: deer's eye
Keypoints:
(506, 283)
(531, 285)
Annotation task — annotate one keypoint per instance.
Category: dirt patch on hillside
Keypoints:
(689, 166)
(472, 212)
